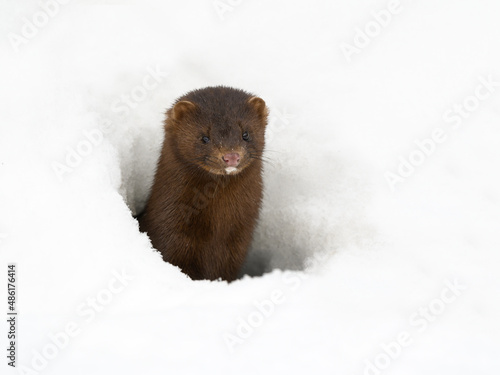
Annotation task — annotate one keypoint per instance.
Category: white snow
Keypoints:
(345, 275)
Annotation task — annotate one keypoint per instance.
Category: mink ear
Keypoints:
(181, 109)
(259, 106)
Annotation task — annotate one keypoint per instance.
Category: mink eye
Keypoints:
(205, 139)
(245, 136)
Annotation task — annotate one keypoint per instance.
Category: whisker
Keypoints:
(263, 160)
(260, 155)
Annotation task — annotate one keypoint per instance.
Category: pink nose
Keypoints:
(232, 159)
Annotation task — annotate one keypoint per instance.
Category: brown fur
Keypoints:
(200, 217)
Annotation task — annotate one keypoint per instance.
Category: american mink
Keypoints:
(207, 190)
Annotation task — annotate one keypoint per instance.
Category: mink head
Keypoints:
(218, 129)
